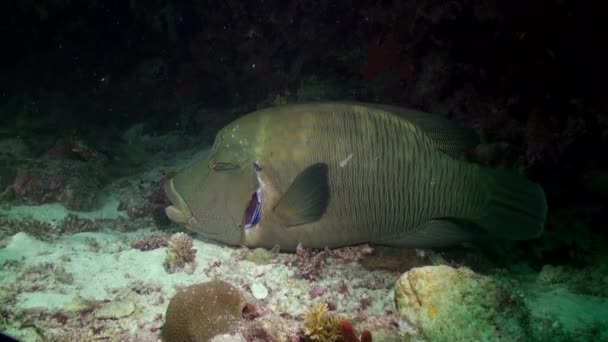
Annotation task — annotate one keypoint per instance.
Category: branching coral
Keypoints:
(319, 325)
(179, 252)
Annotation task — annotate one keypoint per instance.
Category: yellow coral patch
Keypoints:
(319, 325)
(431, 312)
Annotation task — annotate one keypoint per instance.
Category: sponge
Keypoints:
(201, 311)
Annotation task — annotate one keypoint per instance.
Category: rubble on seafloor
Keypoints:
(95, 285)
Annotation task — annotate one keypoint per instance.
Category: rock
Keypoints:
(115, 310)
(445, 303)
(228, 338)
(260, 256)
(76, 305)
(390, 336)
(259, 291)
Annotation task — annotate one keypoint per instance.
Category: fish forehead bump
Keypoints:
(287, 124)
(245, 132)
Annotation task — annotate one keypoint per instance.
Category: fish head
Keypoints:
(217, 197)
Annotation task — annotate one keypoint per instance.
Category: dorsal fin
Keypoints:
(446, 135)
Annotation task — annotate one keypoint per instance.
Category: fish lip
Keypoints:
(259, 197)
(179, 212)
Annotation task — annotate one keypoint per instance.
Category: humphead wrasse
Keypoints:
(338, 174)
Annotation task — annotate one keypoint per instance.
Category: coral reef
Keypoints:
(180, 253)
(202, 311)
(49, 287)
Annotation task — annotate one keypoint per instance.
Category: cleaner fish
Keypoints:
(339, 174)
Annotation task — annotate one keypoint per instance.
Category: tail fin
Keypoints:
(516, 208)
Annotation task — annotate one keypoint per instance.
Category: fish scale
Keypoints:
(395, 199)
(385, 205)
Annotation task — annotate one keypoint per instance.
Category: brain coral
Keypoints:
(202, 311)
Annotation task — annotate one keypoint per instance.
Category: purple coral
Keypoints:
(316, 291)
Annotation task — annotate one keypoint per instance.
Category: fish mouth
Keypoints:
(253, 211)
(179, 212)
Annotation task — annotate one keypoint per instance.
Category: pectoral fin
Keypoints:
(307, 197)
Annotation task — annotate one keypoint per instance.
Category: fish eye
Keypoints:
(257, 166)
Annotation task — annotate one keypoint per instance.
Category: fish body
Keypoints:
(338, 174)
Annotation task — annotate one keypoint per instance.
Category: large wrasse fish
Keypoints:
(338, 174)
